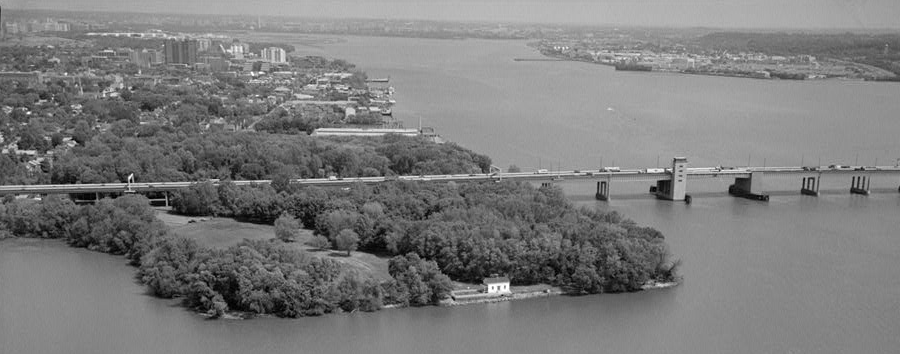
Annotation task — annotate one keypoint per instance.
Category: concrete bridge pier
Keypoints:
(602, 191)
(810, 186)
(860, 185)
(674, 188)
(749, 187)
(155, 198)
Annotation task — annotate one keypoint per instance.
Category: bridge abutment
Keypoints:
(749, 187)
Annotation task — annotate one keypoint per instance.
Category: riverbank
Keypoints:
(823, 70)
(531, 292)
(516, 294)
(223, 232)
(199, 259)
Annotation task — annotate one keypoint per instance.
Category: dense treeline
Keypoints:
(434, 231)
(856, 47)
(124, 226)
(471, 231)
(260, 277)
(310, 117)
(165, 155)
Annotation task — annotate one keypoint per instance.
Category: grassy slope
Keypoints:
(225, 232)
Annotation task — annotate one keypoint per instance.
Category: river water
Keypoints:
(794, 275)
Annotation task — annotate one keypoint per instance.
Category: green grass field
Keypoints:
(225, 232)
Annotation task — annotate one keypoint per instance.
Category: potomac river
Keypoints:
(795, 275)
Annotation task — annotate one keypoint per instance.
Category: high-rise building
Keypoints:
(145, 58)
(181, 52)
(203, 44)
(274, 55)
(12, 27)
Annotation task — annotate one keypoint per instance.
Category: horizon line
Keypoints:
(472, 21)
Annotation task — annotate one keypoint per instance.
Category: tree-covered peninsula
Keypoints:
(431, 232)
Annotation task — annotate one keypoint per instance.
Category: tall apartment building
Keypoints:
(181, 52)
(12, 28)
(147, 57)
(274, 55)
(203, 44)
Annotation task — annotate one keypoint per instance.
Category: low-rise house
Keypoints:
(497, 285)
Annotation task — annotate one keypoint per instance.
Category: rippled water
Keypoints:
(795, 275)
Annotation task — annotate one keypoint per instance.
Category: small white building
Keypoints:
(498, 285)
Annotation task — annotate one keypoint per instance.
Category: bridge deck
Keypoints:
(598, 175)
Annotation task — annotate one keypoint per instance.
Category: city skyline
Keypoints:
(801, 14)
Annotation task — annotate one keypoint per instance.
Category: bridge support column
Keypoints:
(602, 191)
(810, 186)
(675, 188)
(166, 195)
(859, 185)
(749, 187)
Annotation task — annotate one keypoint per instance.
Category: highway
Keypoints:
(649, 174)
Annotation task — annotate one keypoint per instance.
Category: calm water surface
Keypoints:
(795, 275)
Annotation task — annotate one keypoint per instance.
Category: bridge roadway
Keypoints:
(652, 174)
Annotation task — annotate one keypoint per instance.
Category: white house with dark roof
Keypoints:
(497, 285)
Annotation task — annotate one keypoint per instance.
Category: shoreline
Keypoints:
(503, 297)
(451, 301)
(552, 291)
(551, 58)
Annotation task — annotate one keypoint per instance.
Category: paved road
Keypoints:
(651, 174)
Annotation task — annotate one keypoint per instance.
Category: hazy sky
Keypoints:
(860, 14)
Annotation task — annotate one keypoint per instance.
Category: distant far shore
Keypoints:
(761, 74)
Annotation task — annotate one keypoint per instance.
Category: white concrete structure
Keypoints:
(679, 178)
(499, 285)
(274, 55)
